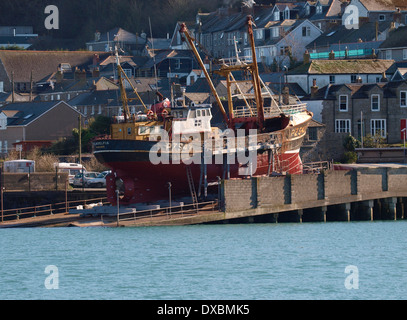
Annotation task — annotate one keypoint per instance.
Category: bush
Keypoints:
(350, 157)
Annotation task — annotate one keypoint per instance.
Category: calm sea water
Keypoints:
(249, 262)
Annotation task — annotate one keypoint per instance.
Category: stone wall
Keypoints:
(309, 189)
(34, 181)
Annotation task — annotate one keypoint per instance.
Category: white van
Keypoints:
(71, 168)
(19, 166)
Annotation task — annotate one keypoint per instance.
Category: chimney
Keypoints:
(59, 76)
(332, 55)
(384, 78)
(314, 88)
(307, 57)
(80, 75)
(397, 16)
(95, 73)
(286, 95)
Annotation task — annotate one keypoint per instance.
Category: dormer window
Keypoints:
(319, 9)
(277, 15)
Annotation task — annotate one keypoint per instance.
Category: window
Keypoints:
(378, 126)
(403, 99)
(342, 126)
(306, 31)
(259, 34)
(177, 64)
(275, 32)
(277, 16)
(388, 54)
(319, 9)
(353, 78)
(331, 79)
(382, 17)
(343, 103)
(404, 54)
(375, 102)
(312, 133)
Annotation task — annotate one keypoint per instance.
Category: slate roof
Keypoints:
(396, 39)
(42, 63)
(342, 35)
(357, 90)
(22, 114)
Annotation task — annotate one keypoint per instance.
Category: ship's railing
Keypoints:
(270, 112)
(234, 61)
(227, 143)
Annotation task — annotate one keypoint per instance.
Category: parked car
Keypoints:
(71, 168)
(78, 181)
(99, 181)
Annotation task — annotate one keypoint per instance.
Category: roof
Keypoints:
(383, 5)
(22, 114)
(42, 63)
(342, 35)
(363, 66)
(357, 90)
(397, 38)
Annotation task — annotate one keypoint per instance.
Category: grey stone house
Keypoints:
(360, 110)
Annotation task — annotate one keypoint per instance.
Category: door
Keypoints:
(403, 130)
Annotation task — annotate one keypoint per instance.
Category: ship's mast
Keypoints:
(184, 30)
(256, 75)
(125, 100)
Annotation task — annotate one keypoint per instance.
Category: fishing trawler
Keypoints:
(176, 147)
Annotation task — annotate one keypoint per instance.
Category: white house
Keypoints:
(298, 34)
(194, 75)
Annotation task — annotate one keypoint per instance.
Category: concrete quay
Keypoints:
(359, 193)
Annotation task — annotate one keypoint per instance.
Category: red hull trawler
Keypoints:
(176, 147)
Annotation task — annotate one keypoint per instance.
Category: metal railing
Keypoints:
(46, 209)
(167, 213)
(269, 112)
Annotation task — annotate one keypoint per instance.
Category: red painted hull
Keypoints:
(145, 182)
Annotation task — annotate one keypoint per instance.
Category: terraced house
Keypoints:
(360, 110)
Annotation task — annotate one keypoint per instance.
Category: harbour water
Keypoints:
(213, 262)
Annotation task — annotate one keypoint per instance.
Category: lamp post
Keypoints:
(404, 140)
(118, 205)
(169, 194)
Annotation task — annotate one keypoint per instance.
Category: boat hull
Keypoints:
(142, 181)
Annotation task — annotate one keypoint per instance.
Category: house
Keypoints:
(395, 47)
(325, 14)
(17, 36)
(359, 110)
(125, 41)
(35, 123)
(285, 43)
(25, 69)
(363, 40)
(169, 64)
(194, 75)
(379, 10)
(324, 72)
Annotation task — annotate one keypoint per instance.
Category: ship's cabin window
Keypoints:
(178, 114)
(199, 113)
(192, 114)
(129, 131)
(145, 130)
